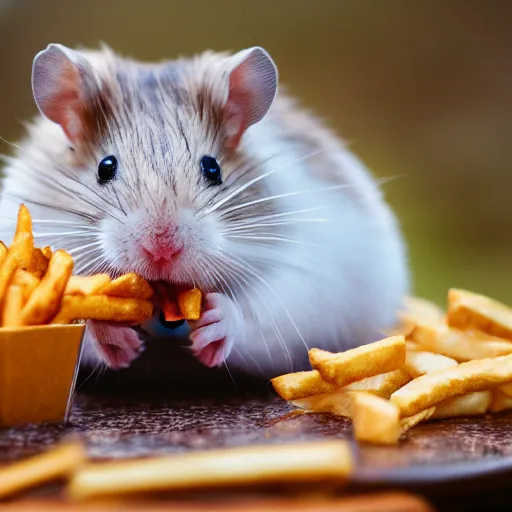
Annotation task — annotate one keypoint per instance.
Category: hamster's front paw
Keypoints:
(215, 333)
(116, 346)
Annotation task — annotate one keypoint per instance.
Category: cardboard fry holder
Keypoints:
(38, 370)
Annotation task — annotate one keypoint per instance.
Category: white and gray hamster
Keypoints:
(195, 172)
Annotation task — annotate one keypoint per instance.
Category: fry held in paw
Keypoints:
(187, 306)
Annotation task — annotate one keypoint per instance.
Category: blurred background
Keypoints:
(422, 91)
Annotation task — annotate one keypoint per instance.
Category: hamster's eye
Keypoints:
(211, 170)
(107, 169)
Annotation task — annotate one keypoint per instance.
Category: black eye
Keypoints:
(107, 169)
(211, 170)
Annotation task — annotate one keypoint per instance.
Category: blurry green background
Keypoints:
(422, 90)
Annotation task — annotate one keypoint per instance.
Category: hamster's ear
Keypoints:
(252, 88)
(61, 83)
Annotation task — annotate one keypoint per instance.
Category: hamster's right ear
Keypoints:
(252, 86)
(61, 83)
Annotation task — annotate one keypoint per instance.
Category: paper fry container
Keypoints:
(38, 370)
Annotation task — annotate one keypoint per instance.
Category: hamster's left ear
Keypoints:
(252, 80)
(63, 86)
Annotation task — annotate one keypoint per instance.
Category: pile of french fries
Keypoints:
(37, 287)
(436, 365)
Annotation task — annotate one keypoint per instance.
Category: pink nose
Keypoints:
(159, 251)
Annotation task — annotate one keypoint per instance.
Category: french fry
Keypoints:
(471, 404)
(39, 263)
(171, 311)
(86, 285)
(339, 403)
(418, 363)
(500, 402)
(317, 356)
(506, 389)
(3, 252)
(277, 463)
(47, 251)
(375, 420)
(128, 286)
(19, 254)
(358, 363)
(54, 464)
(382, 385)
(302, 386)
(459, 345)
(431, 388)
(103, 308)
(45, 301)
(411, 421)
(292, 386)
(470, 311)
(189, 303)
(13, 303)
(27, 281)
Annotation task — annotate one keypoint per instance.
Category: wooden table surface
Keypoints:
(456, 464)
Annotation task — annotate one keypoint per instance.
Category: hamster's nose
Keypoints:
(162, 250)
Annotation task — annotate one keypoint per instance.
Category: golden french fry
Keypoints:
(339, 403)
(506, 389)
(500, 402)
(412, 346)
(86, 285)
(3, 252)
(128, 286)
(470, 311)
(189, 303)
(39, 263)
(382, 385)
(431, 388)
(292, 386)
(418, 363)
(281, 463)
(54, 464)
(358, 363)
(317, 356)
(27, 281)
(47, 251)
(45, 300)
(459, 345)
(13, 304)
(471, 404)
(410, 421)
(19, 254)
(375, 420)
(103, 308)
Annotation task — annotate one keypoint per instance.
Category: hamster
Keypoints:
(197, 172)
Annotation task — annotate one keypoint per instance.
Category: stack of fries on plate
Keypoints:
(436, 365)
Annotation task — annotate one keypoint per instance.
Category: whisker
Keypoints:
(257, 179)
(273, 238)
(280, 196)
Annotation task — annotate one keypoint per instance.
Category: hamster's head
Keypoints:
(151, 155)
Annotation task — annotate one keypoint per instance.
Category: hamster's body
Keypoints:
(297, 247)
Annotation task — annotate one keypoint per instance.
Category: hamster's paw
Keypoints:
(116, 346)
(215, 333)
